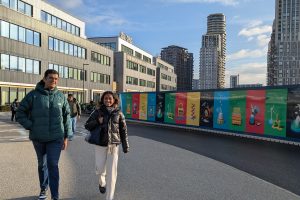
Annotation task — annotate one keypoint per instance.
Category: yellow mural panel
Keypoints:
(143, 106)
(193, 108)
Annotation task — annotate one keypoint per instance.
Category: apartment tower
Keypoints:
(212, 53)
(284, 46)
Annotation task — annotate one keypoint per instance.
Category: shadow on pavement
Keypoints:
(34, 197)
(274, 162)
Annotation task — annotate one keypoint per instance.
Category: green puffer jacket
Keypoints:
(45, 113)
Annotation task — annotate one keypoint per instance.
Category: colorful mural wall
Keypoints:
(267, 112)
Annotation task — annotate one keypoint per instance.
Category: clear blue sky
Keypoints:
(154, 24)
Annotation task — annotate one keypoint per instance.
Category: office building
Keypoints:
(183, 63)
(166, 78)
(284, 46)
(196, 83)
(212, 53)
(36, 36)
(234, 81)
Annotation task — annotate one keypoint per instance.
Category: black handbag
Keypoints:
(93, 137)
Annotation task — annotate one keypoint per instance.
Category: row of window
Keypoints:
(99, 58)
(59, 23)
(100, 78)
(109, 45)
(166, 77)
(66, 48)
(135, 81)
(130, 51)
(19, 33)
(143, 69)
(167, 87)
(165, 67)
(18, 5)
(68, 72)
(15, 63)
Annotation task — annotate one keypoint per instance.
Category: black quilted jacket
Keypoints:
(113, 128)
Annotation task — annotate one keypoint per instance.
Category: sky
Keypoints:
(155, 24)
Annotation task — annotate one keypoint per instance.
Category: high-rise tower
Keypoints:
(182, 61)
(284, 46)
(212, 53)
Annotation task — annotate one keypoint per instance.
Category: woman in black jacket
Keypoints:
(113, 132)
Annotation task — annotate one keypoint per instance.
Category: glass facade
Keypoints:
(101, 59)
(68, 72)
(18, 5)
(15, 63)
(59, 23)
(20, 34)
(66, 48)
(100, 78)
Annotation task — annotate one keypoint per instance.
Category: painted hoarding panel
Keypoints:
(180, 108)
(123, 102)
(275, 114)
(193, 108)
(151, 106)
(135, 105)
(237, 110)
(255, 111)
(293, 113)
(160, 107)
(206, 109)
(170, 107)
(221, 110)
(143, 106)
(128, 109)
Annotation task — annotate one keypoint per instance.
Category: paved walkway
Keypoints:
(158, 167)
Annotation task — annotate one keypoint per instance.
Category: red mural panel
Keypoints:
(255, 111)
(180, 108)
(135, 106)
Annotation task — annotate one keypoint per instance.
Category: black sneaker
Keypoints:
(102, 189)
(43, 194)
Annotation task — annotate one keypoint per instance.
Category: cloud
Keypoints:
(70, 4)
(106, 19)
(255, 30)
(246, 53)
(249, 73)
(263, 40)
(224, 2)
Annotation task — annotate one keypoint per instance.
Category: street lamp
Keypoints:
(83, 79)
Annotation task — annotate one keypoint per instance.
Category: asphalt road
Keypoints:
(163, 164)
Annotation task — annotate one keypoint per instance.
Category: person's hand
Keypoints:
(100, 120)
(65, 144)
(126, 150)
(78, 116)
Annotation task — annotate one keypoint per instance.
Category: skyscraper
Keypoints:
(234, 81)
(182, 61)
(212, 53)
(284, 46)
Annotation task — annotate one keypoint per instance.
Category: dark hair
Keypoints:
(50, 71)
(70, 95)
(115, 96)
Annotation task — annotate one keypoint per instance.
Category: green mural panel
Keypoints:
(275, 113)
(170, 99)
(237, 110)
(128, 113)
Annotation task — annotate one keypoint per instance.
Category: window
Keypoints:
(58, 23)
(21, 65)
(132, 65)
(22, 34)
(28, 9)
(13, 64)
(56, 44)
(150, 72)
(4, 95)
(51, 43)
(4, 61)
(53, 20)
(13, 4)
(29, 36)
(143, 69)
(5, 2)
(21, 6)
(36, 67)
(142, 82)
(61, 46)
(4, 29)
(29, 66)
(97, 57)
(43, 16)
(126, 50)
(131, 80)
(13, 34)
(36, 39)
(66, 48)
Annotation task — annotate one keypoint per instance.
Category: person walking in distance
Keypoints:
(113, 132)
(13, 108)
(75, 113)
(45, 113)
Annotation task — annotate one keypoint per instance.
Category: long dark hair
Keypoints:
(115, 96)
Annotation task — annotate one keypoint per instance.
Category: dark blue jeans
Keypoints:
(48, 154)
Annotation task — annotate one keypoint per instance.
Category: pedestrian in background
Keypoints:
(13, 108)
(113, 132)
(75, 113)
(45, 113)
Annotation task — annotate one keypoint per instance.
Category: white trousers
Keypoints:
(106, 167)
